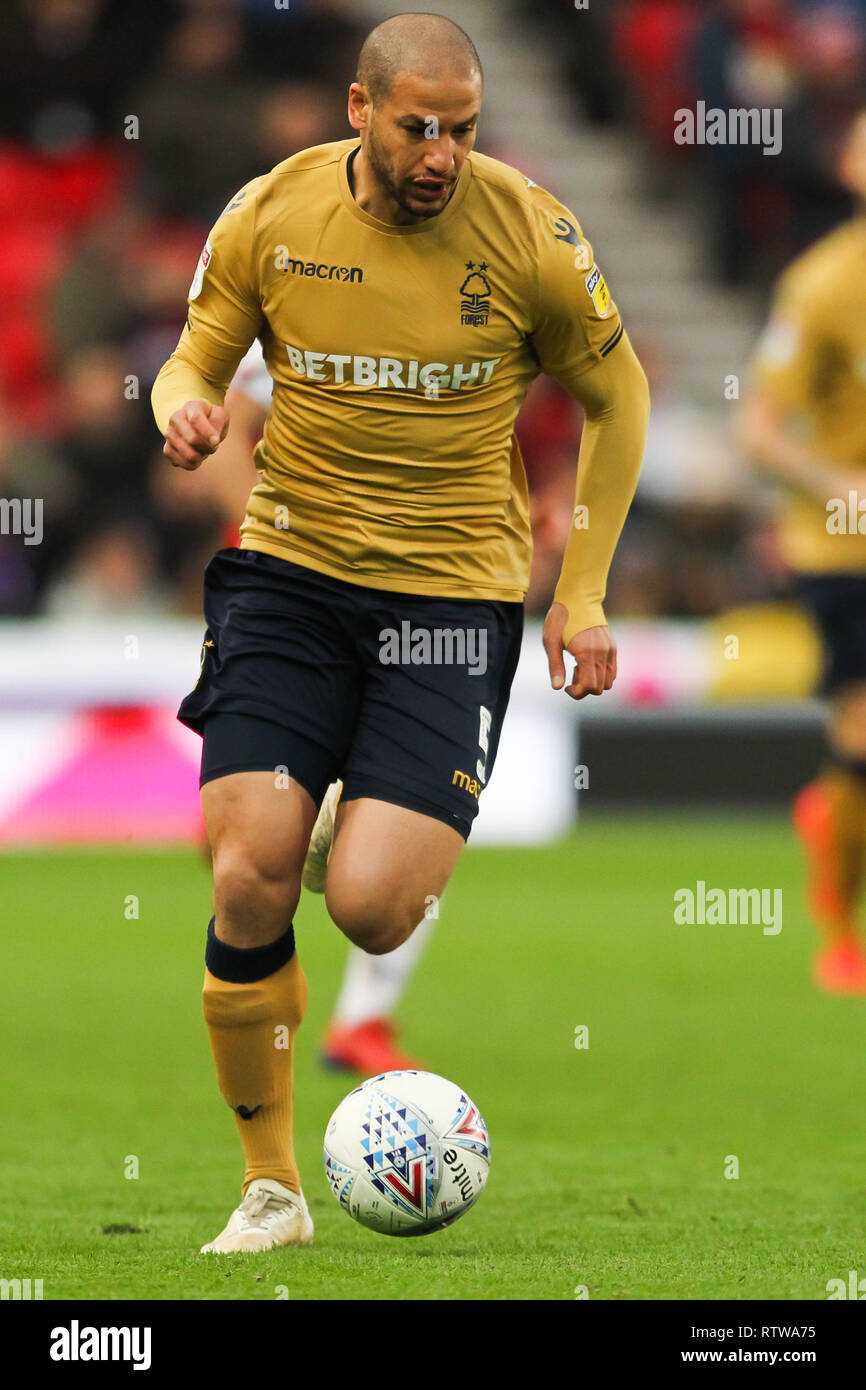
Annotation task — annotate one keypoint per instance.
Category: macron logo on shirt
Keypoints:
(343, 274)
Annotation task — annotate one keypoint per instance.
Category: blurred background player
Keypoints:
(805, 421)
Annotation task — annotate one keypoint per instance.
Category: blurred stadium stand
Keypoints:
(124, 130)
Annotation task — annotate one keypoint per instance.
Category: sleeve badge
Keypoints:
(198, 279)
(598, 291)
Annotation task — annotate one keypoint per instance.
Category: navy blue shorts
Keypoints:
(837, 605)
(400, 695)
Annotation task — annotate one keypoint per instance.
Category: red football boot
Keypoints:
(368, 1047)
(812, 821)
(841, 968)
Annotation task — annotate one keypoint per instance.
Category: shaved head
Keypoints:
(416, 106)
(425, 44)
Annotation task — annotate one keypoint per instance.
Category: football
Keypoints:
(407, 1153)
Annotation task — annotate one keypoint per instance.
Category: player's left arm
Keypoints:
(615, 398)
(579, 339)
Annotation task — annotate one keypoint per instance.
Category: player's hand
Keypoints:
(195, 431)
(594, 651)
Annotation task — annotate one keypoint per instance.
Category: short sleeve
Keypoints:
(576, 323)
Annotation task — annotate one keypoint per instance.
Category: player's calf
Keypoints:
(255, 992)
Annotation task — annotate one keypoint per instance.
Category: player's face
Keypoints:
(417, 139)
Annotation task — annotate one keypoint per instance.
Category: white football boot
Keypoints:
(315, 871)
(270, 1214)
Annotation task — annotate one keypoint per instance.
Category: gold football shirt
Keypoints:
(812, 360)
(400, 357)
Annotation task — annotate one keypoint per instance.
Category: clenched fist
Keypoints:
(194, 431)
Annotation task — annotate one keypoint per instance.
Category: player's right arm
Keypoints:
(224, 317)
(786, 380)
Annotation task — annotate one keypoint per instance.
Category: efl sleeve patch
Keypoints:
(198, 279)
(598, 291)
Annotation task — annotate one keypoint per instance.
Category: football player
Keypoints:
(406, 291)
(804, 420)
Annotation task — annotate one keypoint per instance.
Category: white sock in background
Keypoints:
(372, 985)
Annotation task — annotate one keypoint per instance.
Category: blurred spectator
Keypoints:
(311, 40)
(64, 70)
(198, 116)
(106, 433)
(65, 67)
(113, 574)
(548, 430)
(745, 56)
(296, 116)
(126, 284)
(687, 548)
(652, 40)
(583, 41)
(690, 458)
(652, 58)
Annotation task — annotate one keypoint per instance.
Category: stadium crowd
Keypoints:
(123, 131)
(638, 61)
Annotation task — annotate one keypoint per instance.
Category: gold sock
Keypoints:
(252, 1026)
(846, 794)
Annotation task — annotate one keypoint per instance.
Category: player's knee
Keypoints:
(378, 942)
(376, 927)
(253, 888)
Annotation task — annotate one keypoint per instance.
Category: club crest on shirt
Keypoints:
(475, 295)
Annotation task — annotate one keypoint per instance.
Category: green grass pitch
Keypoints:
(608, 1162)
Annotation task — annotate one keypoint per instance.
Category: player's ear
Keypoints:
(359, 105)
